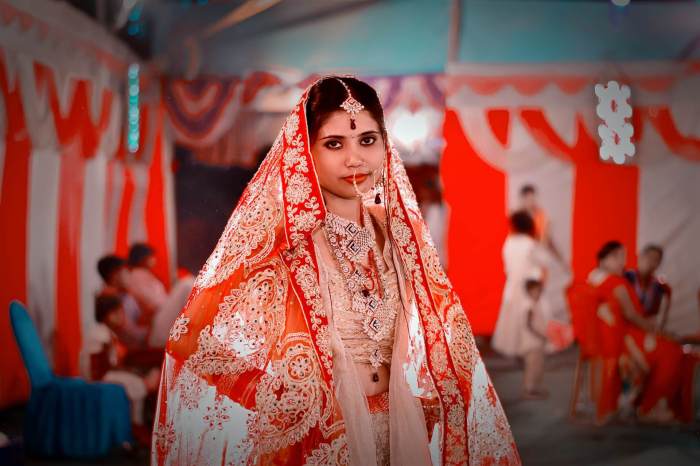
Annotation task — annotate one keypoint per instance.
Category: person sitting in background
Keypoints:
(162, 307)
(169, 310)
(148, 290)
(115, 275)
(653, 293)
(105, 355)
(648, 361)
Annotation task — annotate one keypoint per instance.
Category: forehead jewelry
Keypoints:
(351, 105)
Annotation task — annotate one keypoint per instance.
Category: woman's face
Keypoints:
(340, 152)
(615, 262)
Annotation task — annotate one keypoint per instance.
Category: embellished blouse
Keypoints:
(350, 323)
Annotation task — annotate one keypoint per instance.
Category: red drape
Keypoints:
(13, 239)
(67, 342)
(156, 226)
(121, 246)
(475, 193)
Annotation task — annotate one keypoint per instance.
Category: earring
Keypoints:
(378, 189)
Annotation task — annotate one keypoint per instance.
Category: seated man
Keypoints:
(161, 307)
(116, 279)
(653, 293)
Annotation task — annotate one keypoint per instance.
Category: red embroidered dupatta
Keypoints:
(248, 375)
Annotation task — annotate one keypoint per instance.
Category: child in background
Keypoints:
(533, 341)
(115, 274)
(105, 355)
(148, 290)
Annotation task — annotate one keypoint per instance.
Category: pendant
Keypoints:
(377, 199)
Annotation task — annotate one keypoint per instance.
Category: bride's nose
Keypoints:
(353, 161)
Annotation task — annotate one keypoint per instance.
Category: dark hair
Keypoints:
(105, 304)
(109, 265)
(138, 253)
(326, 96)
(521, 222)
(532, 283)
(260, 154)
(654, 248)
(527, 189)
(608, 248)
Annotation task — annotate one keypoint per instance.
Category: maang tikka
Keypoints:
(351, 105)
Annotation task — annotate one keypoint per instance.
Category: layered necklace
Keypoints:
(353, 246)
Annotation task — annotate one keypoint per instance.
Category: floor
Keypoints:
(546, 437)
(542, 429)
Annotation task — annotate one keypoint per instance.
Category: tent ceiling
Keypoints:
(373, 37)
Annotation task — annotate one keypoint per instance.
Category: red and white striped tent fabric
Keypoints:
(70, 192)
(227, 120)
(508, 125)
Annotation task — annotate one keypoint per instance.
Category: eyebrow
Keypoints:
(366, 133)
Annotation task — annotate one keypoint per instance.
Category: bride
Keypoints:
(322, 329)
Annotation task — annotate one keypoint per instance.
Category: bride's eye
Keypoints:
(333, 144)
(368, 140)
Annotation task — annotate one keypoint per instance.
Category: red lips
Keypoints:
(359, 178)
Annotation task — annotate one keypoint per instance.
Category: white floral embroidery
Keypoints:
(335, 453)
(461, 341)
(179, 327)
(447, 381)
(432, 260)
(304, 221)
(164, 437)
(291, 126)
(302, 216)
(249, 320)
(298, 188)
(289, 398)
(438, 357)
(292, 156)
(190, 387)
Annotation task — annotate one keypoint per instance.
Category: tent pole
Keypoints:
(454, 31)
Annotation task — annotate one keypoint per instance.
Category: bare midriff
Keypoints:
(372, 384)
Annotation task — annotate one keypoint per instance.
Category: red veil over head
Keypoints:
(248, 374)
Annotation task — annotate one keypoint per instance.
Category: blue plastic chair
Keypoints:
(67, 417)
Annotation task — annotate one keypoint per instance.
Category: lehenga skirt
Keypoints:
(379, 414)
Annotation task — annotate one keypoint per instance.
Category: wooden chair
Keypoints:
(583, 303)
